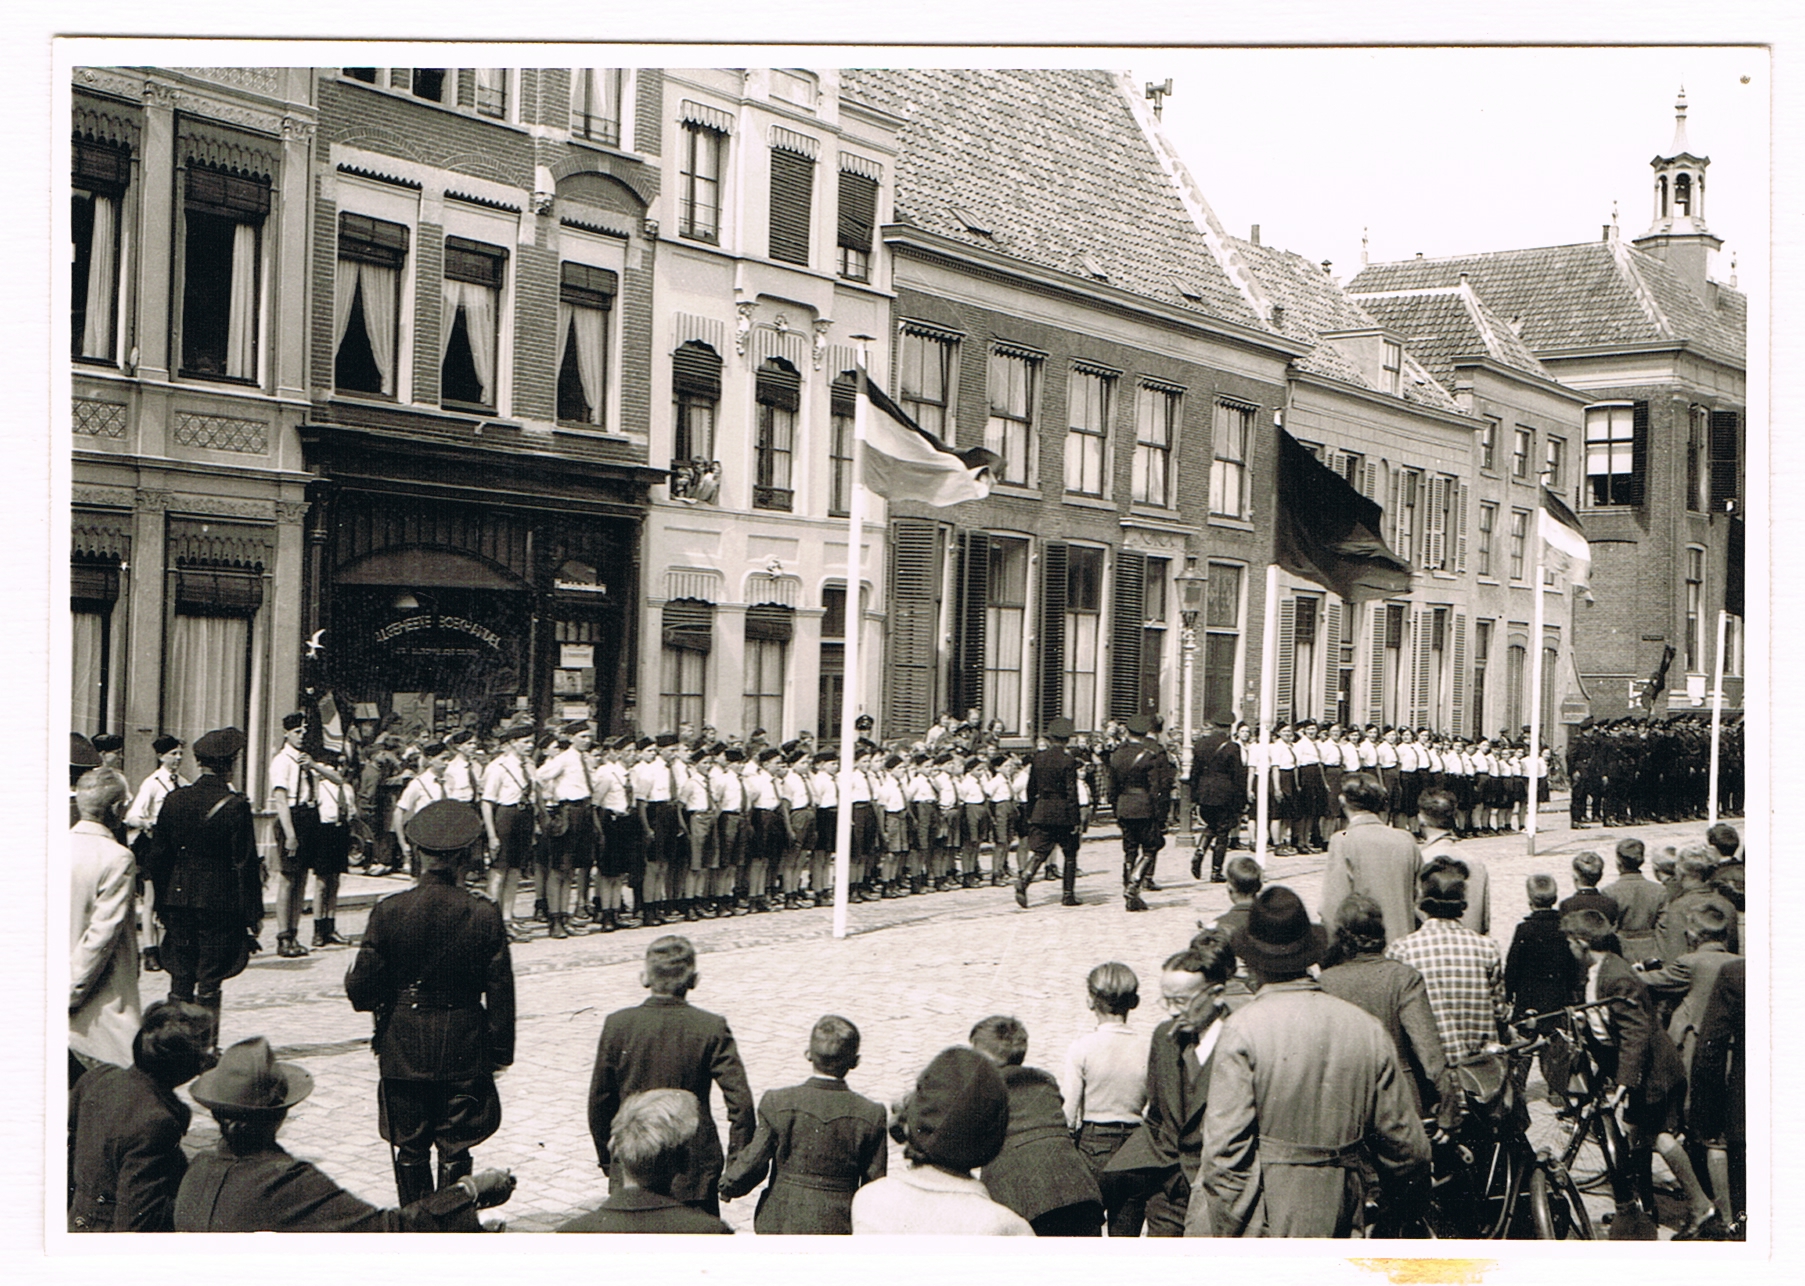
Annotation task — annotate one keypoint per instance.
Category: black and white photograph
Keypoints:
(1136, 641)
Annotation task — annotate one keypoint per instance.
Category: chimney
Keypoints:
(1326, 265)
(1419, 254)
(1604, 232)
(1254, 236)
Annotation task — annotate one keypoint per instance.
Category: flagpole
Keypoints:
(1717, 714)
(1269, 664)
(1538, 615)
(853, 628)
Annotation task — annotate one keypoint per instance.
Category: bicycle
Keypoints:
(1583, 1133)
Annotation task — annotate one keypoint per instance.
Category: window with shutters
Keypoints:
(1087, 402)
(831, 690)
(1554, 464)
(1051, 659)
(1611, 454)
(1406, 486)
(1441, 516)
(470, 323)
(1393, 677)
(1009, 430)
(1726, 468)
(372, 255)
(1695, 609)
(699, 157)
(1005, 631)
(1488, 524)
(1083, 632)
(221, 269)
(925, 376)
(1482, 651)
(1156, 429)
(1522, 447)
(1228, 470)
(792, 201)
(1306, 673)
(1697, 493)
(1515, 675)
(912, 657)
(1343, 626)
(596, 96)
(839, 447)
(1435, 668)
(1457, 674)
(1221, 639)
(492, 92)
(1460, 528)
(857, 219)
(779, 397)
(1488, 443)
(683, 662)
(1519, 543)
(696, 387)
(1153, 632)
(973, 570)
(585, 305)
(99, 178)
(769, 629)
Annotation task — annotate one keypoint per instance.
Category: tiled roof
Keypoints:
(1595, 293)
(1313, 303)
(1440, 325)
(1055, 169)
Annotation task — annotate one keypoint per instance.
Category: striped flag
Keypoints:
(1565, 550)
(903, 461)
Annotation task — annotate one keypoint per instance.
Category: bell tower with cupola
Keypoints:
(1678, 234)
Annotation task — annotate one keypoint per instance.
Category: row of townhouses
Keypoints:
(458, 392)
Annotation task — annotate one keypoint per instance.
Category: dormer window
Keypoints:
(1391, 365)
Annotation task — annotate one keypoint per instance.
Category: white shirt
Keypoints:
(729, 793)
(827, 789)
(142, 815)
(792, 788)
(1350, 756)
(946, 794)
(565, 777)
(337, 803)
(420, 792)
(761, 791)
(461, 781)
(611, 790)
(286, 773)
(1305, 750)
(970, 789)
(999, 791)
(1105, 1076)
(1408, 758)
(652, 782)
(888, 793)
(1387, 754)
(505, 780)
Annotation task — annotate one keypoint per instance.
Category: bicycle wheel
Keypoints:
(1497, 1179)
(1554, 1201)
(1575, 1144)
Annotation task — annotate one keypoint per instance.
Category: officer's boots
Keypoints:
(413, 1180)
(454, 1168)
(1026, 878)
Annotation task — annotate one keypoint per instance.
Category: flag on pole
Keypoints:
(1328, 532)
(903, 461)
(1565, 550)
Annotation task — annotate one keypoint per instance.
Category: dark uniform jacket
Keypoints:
(1218, 776)
(125, 1152)
(1140, 777)
(270, 1191)
(821, 1143)
(1039, 1169)
(1052, 794)
(435, 970)
(637, 1210)
(667, 1043)
(207, 860)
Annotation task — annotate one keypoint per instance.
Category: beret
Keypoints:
(164, 744)
(574, 726)
(735, 755)
(221, 743)
(109, 741)
(1140, 724)
(444, 826)
(665, 739)
(1062, 728)
(432, 748)
(293, 720)
(960, 1112)
(514, 732)
(644, 743)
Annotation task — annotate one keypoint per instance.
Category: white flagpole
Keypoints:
(1717, 714)
(1538, 613)
(855, 622)
(1269, 664)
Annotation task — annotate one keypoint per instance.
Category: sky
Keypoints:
(1451, 151)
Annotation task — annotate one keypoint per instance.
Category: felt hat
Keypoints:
(1278, 936)
(82, 753)
(960, 1111)
(444, 826)
(1140, 724)
(221, 743)
(1062, 728)
(248, 1081)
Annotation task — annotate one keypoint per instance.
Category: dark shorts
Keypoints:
(514, 828)
(574, 850)
(614, 854)
(331, 850)
(307, 828)
(827, 821)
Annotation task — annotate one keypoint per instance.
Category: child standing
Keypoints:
(1105, 1088)
(819, 1141)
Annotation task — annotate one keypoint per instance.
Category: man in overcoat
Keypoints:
(1372, 858)
(435, 970)
(210, 881)
(1140, 781)
(1282, 1157)
(666, 1043)
(1052, 806)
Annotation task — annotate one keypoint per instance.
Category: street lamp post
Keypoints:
(1191, 584)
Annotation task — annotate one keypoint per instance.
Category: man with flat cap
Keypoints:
(1140, 781)
(1052, 812)
(248, 1183)
(434, 968)
(209, 880)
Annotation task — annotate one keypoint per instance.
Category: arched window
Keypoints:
(696, 386)
(1682, 195)
(779, 396)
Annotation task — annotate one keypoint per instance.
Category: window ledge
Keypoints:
(1163, 512)
(238, 381)
(469, 408)
(611, 149)
(1232, 524)
(1082, 501)
(363, 395)
(1015, 491)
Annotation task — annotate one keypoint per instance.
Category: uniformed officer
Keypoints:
(434, 969)
(209, 881)
(1140, 779)
(1052, 812)
(1219, 789)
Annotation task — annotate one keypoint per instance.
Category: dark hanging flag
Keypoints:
(1328, 532)
(1733, 592)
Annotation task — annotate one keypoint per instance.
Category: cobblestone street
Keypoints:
(914, 974)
